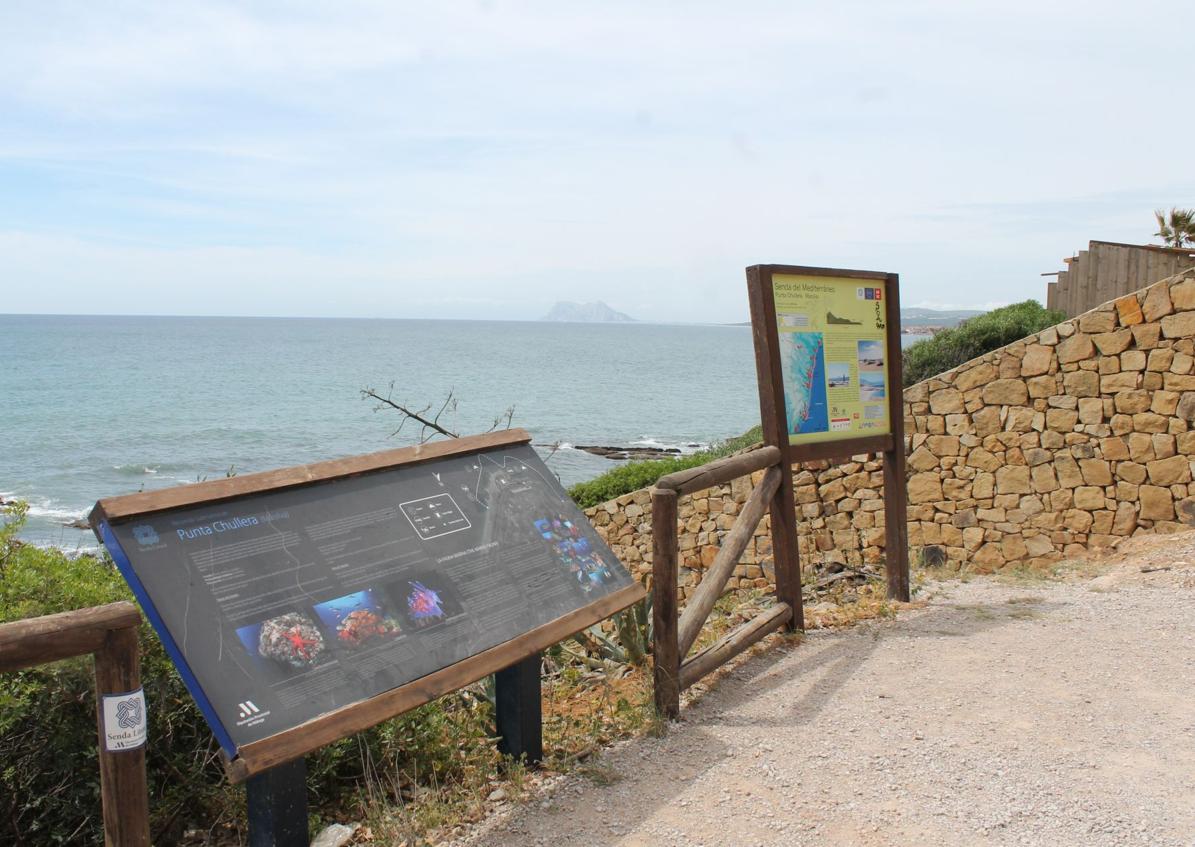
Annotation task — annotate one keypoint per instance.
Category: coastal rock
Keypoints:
(624, 453)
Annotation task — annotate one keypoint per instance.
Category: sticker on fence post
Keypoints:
(124, 721)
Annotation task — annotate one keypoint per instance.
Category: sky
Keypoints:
(483, 160)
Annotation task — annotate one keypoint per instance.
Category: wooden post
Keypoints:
(665, 647)
(896, 521)
(122, 772)
(783, 507)
(785, 553)
(518, 710)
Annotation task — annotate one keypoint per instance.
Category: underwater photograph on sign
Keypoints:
(833, 338)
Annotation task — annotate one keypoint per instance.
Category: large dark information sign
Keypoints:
(282, 603)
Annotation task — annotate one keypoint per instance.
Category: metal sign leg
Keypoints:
(518, 710)
(278, 806)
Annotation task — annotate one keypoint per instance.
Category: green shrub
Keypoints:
(983, 334)
(635, 475)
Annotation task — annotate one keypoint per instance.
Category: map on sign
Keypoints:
(832, 336)
(285, 605)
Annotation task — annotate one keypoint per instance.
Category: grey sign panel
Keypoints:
(289, 604)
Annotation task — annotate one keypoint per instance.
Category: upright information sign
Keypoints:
(828, 358)
(305, 604)
(833, 334)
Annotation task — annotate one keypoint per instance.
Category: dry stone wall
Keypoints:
(1068, 440)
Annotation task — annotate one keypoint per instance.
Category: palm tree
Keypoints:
(1179, 230)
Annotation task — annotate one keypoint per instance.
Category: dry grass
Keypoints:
(583, 711)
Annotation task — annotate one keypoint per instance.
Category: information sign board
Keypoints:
(833, 338)
(333, 596)
(828, 359)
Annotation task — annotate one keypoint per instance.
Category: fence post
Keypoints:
(122, 772)
(896, 492)
(665, 650)
(786, 556)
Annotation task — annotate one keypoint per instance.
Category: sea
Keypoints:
(92, 407)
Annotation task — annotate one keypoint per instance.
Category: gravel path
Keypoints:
(1057, 714)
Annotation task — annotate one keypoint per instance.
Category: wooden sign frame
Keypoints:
(288, 744)
(891, 445)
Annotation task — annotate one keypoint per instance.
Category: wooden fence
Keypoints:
(1107, 270)
(109, 633)
(674, 636)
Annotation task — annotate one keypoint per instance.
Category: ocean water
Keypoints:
(96, 406)
(92, 407)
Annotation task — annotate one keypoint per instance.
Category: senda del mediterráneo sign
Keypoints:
(832, 346)
(828, 361)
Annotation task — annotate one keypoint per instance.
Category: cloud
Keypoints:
(370, 152)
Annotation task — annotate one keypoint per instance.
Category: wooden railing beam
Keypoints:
(51, 638)
(720, 471)
(733, 643)
(702, 601)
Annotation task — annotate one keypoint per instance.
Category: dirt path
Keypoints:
(1034, 714)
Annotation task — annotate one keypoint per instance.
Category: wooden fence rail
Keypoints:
(702, 602)
(109, 633)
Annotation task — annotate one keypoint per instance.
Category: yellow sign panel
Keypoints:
(833, 343)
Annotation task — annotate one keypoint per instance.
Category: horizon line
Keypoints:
(646, 322)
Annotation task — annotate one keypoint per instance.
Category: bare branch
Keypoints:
(426, 424)
(507, 415)
(429, 424)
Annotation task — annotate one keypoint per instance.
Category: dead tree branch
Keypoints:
(429, 426)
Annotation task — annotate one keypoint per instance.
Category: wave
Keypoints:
(44, 507)
(141, 469)
(48, 509)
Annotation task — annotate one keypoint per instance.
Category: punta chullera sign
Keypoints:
(305, 604)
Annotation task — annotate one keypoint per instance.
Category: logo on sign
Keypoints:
(250, 714)
(124, 721)
(145, 535)
(128, 713)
